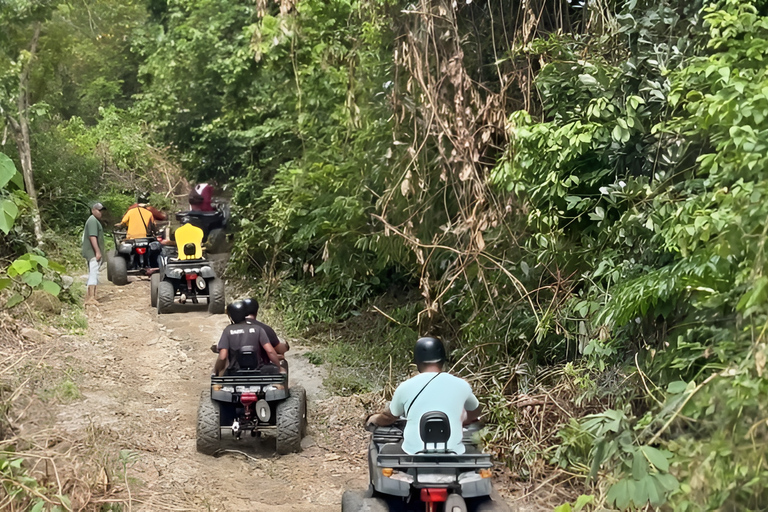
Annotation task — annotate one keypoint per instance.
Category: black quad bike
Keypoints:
(251, 401)
(434, 480)
(213, 224)
(186, 280)
(131, 256)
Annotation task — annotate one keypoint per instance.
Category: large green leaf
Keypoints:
(8, 213)
(33, 279)
(7, 170)
(56, 267)
(51, 287)
(658, 458)
(18, 267)
(15, 299)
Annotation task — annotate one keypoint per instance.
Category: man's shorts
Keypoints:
(93, 272)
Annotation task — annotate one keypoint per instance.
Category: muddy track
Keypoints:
(141, 385)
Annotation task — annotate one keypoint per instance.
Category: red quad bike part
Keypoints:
(248, 399)
(141, 250)
(432, 496)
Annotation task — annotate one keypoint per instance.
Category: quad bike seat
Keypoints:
(249, 363)
(189, 239)
(435, 429)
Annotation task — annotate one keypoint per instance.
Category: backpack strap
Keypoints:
(417, 394)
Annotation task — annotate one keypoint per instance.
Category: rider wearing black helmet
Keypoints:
(142, 200)
(238, 335)
(252, 309)
(430, 390)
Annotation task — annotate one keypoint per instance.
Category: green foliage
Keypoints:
(647, 187)
(22, 490)
(11, 193)
(28, 273)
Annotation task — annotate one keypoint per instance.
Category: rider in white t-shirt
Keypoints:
(431, 390)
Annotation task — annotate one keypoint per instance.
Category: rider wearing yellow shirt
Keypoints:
(139, 221)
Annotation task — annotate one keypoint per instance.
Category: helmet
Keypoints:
(236, 311)
(251, 306)
(429, 350)
(142, 198)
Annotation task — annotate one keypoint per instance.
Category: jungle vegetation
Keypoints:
(571, 192)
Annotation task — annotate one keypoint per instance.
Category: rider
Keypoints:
(200, 198)
(143, 199)
(431, 390)
(139, 221)
(238, 335)
(252, 309)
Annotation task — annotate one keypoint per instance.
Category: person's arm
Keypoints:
(157, 214)
(124, 222)
(271, 354)
(221, 361)
(95, 244)
(392, 413)
(281, 347)
(472, 408)
(223, 350)
(382, 419)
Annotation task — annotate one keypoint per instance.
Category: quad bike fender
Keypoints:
(207, 272)
(124, 248)
(275, 394)
(221, 396)
(382, 483)
(475, 488)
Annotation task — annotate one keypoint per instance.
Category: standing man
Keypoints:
(92, 250)
(430, 390)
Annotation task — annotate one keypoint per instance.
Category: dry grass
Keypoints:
(56, 468)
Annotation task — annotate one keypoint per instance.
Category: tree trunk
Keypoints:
(20, 129)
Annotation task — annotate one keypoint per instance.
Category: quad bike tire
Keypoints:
(289, 420)
(154, 282)
(208, 424)
(355, 501)
(302, 410)
(217, 241)
(165, 296)
(111, 255)
(216, 301)
(455, 503)
(119, 271)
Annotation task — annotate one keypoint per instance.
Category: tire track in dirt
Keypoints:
(141, 385)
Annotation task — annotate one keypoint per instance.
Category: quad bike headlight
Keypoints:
(200, 282)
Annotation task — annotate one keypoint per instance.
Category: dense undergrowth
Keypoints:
(570, 193)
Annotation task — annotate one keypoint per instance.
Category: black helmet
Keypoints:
(251, 307)
(142, 198)
(236, 311)
(429, 350)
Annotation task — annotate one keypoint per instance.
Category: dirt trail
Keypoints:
(141, 393)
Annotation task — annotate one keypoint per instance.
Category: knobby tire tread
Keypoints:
(216, 300)
(165, 296)
(154, 282)
(208, 424)
(289, 423)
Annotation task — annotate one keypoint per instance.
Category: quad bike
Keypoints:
(433, 480)
(213, 224)
(251, 400)
(186, 276)
(131, 256)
